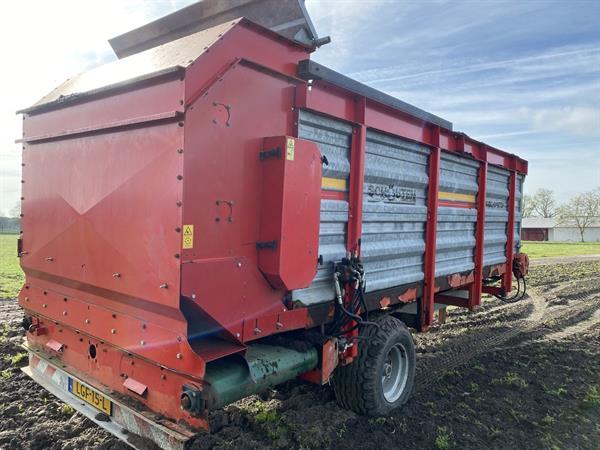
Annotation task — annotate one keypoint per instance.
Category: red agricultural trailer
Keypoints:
(214, 214)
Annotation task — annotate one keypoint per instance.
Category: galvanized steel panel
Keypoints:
(518, 211)
(496, 216)
(394, 211)
(455, 243)
(333, 138)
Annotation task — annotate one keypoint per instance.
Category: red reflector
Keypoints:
(135, 386)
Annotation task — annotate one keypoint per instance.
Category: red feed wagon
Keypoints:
(215, 213)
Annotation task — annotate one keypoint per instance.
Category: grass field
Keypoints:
(549, 249)
(11, 276)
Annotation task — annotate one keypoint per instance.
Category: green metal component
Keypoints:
(263, 366)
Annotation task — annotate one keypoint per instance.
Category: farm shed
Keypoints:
(553, 230)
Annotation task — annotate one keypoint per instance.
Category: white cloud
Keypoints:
(581, 121)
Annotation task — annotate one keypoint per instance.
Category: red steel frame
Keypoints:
(476, 288)
(116, 300)
(510, 239)
(326, 98)
(428, 302)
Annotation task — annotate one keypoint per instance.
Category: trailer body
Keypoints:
(185, 207)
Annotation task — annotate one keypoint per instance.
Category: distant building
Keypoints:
(553, 230)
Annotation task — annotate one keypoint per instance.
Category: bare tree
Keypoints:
(527, 206)
(544, 204)
(582, 211)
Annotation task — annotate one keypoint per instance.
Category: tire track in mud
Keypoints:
(430, 368)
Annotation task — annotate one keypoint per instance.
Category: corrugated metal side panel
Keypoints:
(496, 216)
(394, 211)
(518, 211)
(334, 141)
(455, 241)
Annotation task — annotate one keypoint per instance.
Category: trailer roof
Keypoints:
(286, 17)
(157, 61)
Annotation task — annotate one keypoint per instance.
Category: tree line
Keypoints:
(581, 210)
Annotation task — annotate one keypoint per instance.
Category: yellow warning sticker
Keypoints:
(188, 237)
(289, 150)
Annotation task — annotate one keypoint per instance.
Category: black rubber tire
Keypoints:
(358, 386)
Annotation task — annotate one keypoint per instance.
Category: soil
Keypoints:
(521, 375)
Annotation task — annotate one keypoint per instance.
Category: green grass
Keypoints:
(11, 276)
(550, 249)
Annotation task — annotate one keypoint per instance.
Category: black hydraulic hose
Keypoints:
(513, 298)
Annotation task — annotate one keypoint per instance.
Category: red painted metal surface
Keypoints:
(475, 288)
(331, 100)
(143, 207)
(427, 302)
(288, 246)
(510, 232)
(356, 182)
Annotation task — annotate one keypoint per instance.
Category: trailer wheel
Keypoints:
(382, 377)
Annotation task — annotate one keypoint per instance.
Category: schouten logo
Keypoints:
(391, 194)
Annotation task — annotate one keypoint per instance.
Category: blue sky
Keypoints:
(521, 75)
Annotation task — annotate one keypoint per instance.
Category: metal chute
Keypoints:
(286, 17)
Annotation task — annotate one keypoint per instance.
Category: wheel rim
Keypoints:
(395, 373)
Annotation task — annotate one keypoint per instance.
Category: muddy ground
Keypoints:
(524, 375)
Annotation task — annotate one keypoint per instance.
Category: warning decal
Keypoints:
(289, 150)
(188, 237)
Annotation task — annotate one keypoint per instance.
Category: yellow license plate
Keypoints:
(90, 396)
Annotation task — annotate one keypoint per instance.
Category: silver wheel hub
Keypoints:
(394, 375)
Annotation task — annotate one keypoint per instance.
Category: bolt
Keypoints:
(179, 356)
(44, 306)
(237, 335)
(64, 313)
(279, 325)
(113, 331)
(180, 177)
(239, 264)
(26, 299)
(178, 338)
(178, 203)
(164, 286)
(179, 150)
(257, 330)
(49, 259)
(87, 320)
(116, 275)
(193, 296)
(163, 377)
(142, 342)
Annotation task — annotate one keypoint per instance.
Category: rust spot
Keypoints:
(408, 296)
(384, 302)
